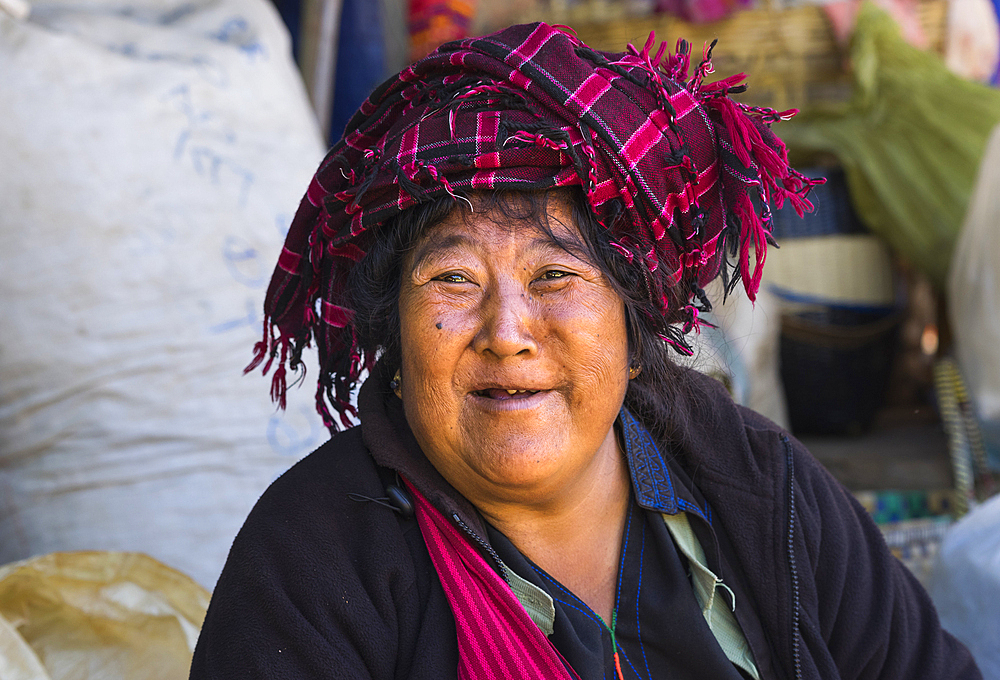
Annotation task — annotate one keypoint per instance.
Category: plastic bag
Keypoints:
(97, 616)
(152, 153)
(741, 350)
(974, 298)
(965, 585)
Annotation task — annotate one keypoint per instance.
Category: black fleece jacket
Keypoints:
(321, 583)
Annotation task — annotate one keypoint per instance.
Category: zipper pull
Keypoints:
(484, 545)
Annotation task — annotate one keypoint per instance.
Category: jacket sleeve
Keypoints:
(307, 592)
(858, 602)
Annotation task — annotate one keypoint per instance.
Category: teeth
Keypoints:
(512, 391)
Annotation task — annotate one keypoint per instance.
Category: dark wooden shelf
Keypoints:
(906, 449)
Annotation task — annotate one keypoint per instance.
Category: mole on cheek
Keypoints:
(438, 325)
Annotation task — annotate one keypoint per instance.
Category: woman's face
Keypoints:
(515, 356)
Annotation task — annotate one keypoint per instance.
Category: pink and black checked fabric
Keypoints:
(497, 640)
(671, 166)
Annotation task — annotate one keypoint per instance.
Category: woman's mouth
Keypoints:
(504, 394)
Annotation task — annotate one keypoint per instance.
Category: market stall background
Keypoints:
(153, 152)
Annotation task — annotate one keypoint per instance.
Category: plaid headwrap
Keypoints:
(669, 164)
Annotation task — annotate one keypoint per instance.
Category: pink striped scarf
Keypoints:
(497, 640)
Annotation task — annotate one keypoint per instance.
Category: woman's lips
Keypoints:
(505, 394)
(495, 399)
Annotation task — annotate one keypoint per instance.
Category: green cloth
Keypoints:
(717, 612)
(910, 141)
(536, 602)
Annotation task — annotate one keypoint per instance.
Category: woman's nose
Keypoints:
(508, 324)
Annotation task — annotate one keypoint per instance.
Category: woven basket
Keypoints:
(835, 366)
(850, 270)
(790, 53)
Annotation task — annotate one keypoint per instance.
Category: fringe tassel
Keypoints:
(753, 234)
(259, 349)
(321, 407)
(675, 340)
(279, 387)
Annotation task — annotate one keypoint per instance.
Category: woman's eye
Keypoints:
(453, 278)
(554, 274)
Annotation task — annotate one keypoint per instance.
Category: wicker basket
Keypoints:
(791, 53)
(835, 366)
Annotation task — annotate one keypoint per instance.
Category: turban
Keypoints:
(680, 175)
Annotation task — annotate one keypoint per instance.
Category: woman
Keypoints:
(509, 238)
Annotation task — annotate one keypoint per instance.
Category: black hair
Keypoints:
(373, 289)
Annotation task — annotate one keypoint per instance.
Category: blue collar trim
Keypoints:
(655, 487)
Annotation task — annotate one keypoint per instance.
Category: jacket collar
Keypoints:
(659, 482)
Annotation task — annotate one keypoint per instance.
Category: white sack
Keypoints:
(742, 349)
(974, 295)
(152, 154)
(965, 585)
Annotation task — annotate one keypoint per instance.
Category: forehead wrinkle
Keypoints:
(567, 240)
(435, 243)
(551, 233)
(549, 244)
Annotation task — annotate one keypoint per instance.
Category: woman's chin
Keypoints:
(521, 449)
(525, 466)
